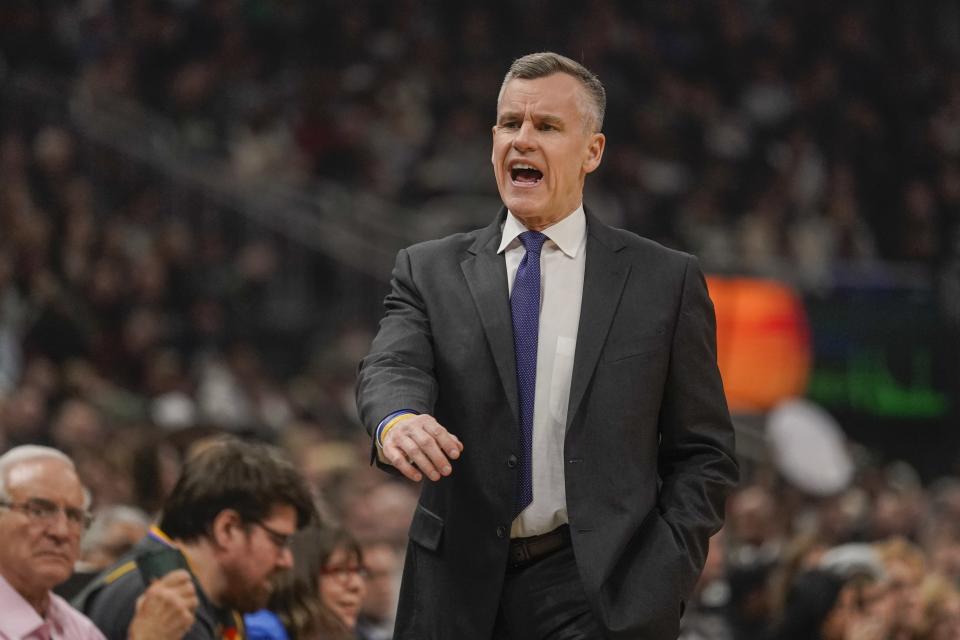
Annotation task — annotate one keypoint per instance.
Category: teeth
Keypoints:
(522, 165)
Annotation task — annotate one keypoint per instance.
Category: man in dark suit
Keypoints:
(555, 379)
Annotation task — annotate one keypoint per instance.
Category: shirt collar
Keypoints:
(19, 618)
(567, 234)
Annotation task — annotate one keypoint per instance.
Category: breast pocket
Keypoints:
(634, 346)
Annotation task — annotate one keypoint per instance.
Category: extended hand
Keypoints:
(166, 610)
(420, 440)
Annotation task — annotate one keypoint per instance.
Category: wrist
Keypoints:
(389, 423)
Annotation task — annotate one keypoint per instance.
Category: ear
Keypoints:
(594, 154)
(226, 529)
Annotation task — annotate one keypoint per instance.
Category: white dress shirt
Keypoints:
(562, 263)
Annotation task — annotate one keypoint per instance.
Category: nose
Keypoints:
(286, 559)
(355, 581)
(58, 526)
(525, 139)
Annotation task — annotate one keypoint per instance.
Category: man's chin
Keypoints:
(523, 203)
(348, 616)
(52, 569)
(52, 576)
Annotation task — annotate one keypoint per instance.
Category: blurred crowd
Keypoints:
(781, 138)
(126, 336)
(761, 135)
(878, 560)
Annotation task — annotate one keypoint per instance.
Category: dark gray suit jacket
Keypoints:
(649, 444)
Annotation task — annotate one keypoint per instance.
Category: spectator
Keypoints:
(43, 512)
(232, 514)
(321, 597)
(342, 577)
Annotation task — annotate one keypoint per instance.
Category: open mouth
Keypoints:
(525, 175)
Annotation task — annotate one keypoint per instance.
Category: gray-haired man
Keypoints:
(555, 379)
(43, 513)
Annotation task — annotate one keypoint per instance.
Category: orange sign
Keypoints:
(763, 341)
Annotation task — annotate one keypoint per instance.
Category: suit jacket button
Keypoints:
(501, 531)
(511, 461)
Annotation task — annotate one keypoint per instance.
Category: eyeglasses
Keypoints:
(45, 512)
(280, 540)
(343, 572)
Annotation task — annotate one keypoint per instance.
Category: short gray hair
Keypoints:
(27, 452)
(547, 63)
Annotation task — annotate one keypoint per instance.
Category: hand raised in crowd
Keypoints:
(166, 610)
(420, 445)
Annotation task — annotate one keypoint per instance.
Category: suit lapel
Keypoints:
(603, 280)
(486, 274)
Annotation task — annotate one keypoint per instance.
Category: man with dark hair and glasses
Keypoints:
(43, 514)
(229, 518)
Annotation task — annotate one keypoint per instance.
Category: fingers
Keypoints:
(182, 589)
(166, 609)
(399, 460)
(420, 445)
(449, 443)
(430, 459)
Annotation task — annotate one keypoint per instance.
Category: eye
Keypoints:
(37, 511)
(509, 124)
(39, 508)
(42, 509)
(77, 516)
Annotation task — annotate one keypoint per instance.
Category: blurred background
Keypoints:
(200, 202)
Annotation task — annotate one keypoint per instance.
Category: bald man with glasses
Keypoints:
(43, 514)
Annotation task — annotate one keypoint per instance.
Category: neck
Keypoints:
(40, 602)
(204, 566)
(539, 223)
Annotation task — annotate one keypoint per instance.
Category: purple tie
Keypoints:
(525, 310)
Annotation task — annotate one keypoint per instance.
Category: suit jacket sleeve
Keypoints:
(696, 460)
(399, 371)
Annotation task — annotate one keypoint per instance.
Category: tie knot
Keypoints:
(532, 241)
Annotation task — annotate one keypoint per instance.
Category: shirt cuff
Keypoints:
(390, 418)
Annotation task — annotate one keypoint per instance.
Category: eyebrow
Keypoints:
(540, 118)
(65, 505)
